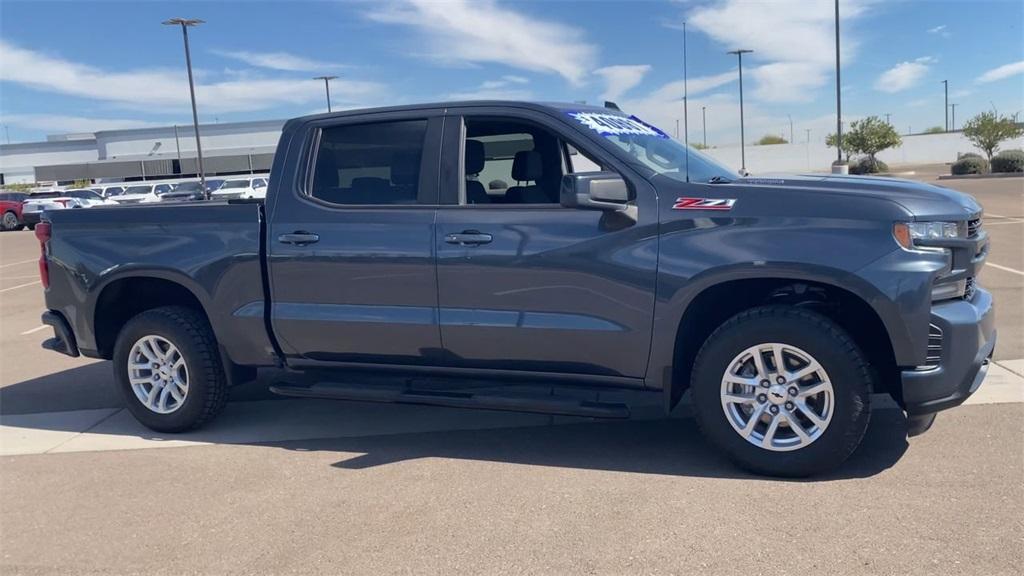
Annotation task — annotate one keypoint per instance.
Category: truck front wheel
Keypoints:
(782, 391)
(169, 371)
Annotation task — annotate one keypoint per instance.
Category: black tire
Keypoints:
(847, 368)
(190, 333)
(30, 226)
(9, 221)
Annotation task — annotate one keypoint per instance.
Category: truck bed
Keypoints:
(211, 248)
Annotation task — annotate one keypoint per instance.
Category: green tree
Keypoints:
(935, 130)
(769, 139)
(868, 136)
(987, 130)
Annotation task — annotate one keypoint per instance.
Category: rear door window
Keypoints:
(368, 164)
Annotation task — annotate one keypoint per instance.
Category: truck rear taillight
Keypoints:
(62, 201)
(43, 234)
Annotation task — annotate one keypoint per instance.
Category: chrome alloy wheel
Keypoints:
(158, 374)
(10, 221)
(777, 397)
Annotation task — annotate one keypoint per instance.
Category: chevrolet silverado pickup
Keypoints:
(600, 255)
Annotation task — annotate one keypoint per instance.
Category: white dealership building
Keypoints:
(142, 153)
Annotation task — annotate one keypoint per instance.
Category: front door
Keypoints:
(524, 283)
(352, 268)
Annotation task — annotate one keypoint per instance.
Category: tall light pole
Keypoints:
(945, 85)
(839, 98)
(185, 23)
(686, 108)
(887, 116)
(791, 141)
(743, 153)
(327, 88)
(704, 123)
(953, 120)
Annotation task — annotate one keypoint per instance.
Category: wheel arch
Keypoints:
(127, 295)
(849, 301)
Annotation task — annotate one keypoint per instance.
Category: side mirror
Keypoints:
(594, 190)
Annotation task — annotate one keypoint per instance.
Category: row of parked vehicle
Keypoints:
(24, 209)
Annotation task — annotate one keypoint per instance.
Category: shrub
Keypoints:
(1008, 161)
(970, 165)
(868, 165)
(769, 139)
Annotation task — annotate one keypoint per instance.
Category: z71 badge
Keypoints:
(704, 204)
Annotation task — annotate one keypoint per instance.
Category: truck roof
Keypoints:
(540, 106)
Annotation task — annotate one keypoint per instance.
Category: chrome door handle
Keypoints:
(299, 238)
(468, 238)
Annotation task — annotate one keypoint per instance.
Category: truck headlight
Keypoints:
(908, 234)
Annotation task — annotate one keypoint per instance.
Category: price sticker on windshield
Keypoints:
(615, 125)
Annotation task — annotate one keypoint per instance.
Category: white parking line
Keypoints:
(20, 286)
(34, 330)
(17, 263)
(1005, 268)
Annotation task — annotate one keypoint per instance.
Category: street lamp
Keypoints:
(791, 141)
(743, 153)
(887, 116)
(704, 123)
(327, 88)
(945, 85)
(953, 120)
(185, 23)
(839, 98)
(686, 109)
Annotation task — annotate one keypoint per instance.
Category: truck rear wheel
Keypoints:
(783, 391)
(168, 367)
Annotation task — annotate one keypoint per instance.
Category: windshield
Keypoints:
(235, 184)
(138, 190)
(649, 147)
(83, 194)
(189, 187)
(212, 185)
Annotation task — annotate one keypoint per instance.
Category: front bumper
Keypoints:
(968, 340)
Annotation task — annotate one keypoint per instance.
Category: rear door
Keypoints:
(524, 283)
(351, 243)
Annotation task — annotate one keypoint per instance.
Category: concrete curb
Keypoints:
(981, 176)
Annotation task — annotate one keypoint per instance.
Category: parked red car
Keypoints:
(10, 210)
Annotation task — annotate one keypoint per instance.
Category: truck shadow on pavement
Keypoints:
(384, 434)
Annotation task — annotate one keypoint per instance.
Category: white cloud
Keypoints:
(464, 32)
(903, 75)
(506, 88)
(163, 90)
(63, 124)
(620, 79)
(1002, 72)
(276, 60)
(940, 30)
(674, 90)
(794, 38)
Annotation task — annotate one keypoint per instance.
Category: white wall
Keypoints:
(18, 161)
(816, 157)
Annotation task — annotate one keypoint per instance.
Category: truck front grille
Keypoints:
(973, 228)
(934, 357)
(969, 287)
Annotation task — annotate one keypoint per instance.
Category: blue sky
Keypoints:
(85, 66)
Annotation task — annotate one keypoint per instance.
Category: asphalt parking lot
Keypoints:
(295, 486)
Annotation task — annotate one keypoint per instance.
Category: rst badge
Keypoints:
(704, 204)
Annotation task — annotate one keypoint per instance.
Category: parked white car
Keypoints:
(241, 188)
(88, 197)
(33, 207)
(139, 193)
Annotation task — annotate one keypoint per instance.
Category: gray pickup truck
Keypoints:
(468, 254)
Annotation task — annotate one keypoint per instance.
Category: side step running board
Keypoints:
(560, 405)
